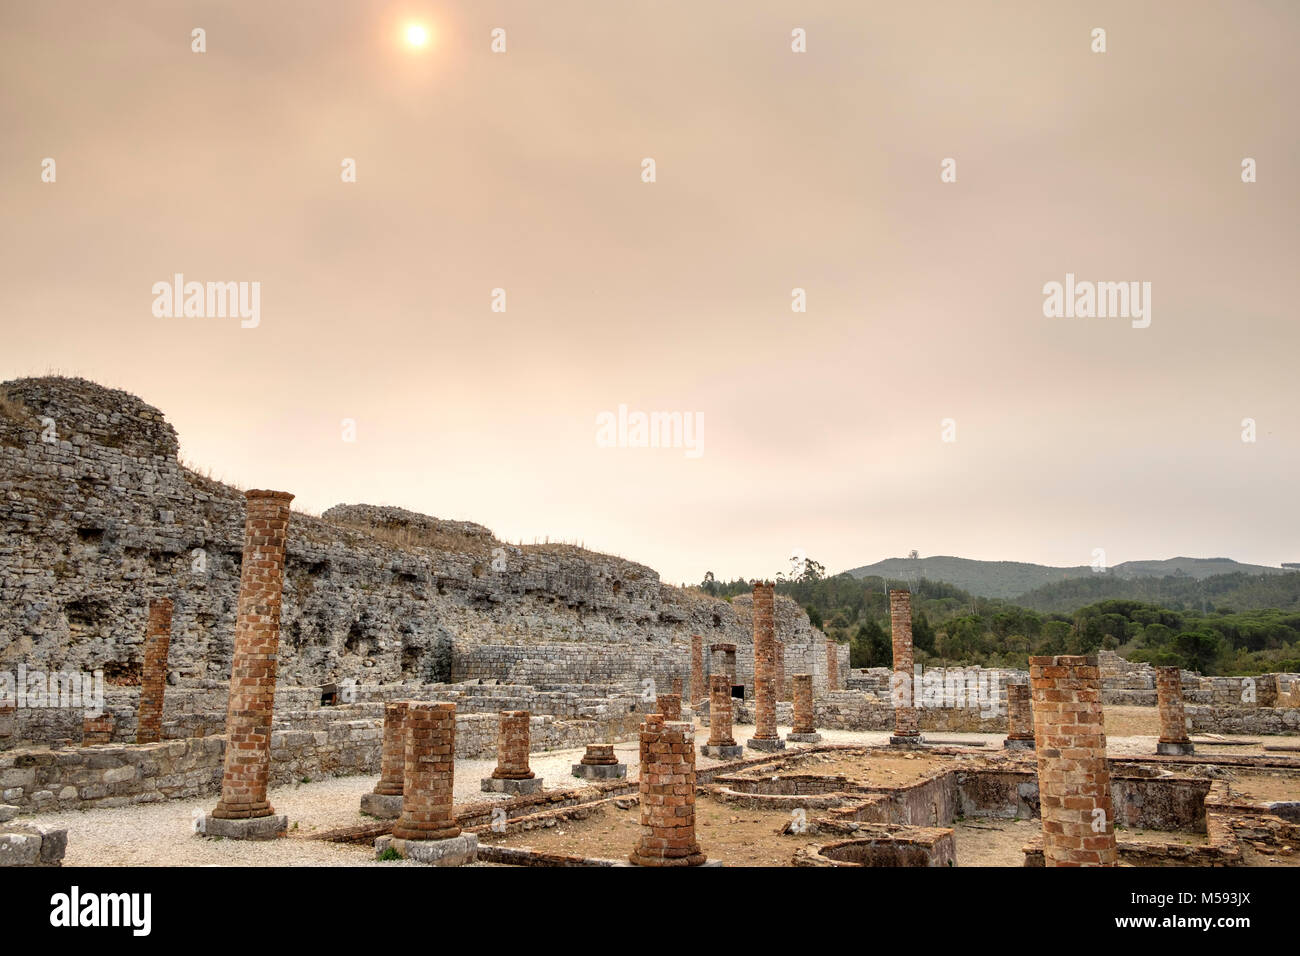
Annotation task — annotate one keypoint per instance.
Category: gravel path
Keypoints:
(161, 834)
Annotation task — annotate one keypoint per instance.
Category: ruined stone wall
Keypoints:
(101, 518)
(328, 743)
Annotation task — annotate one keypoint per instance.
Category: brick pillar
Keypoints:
(1073, 778)
(723, 659)
(779, 647)
(670, 706)
(720, 712)
(832, 665)
(1020, 718)
(252, 672)
(512, 747)
(1173, 723)
(677, 687)
(153, 684)
(385, 801)
(765, 736)
(698, 692)
(907, 720)
(804, 729)
(667, 787)
(8, 720)
(429, 773)
(97, 730)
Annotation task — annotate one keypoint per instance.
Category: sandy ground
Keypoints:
(162, 834)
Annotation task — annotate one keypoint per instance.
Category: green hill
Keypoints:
(1012, 579)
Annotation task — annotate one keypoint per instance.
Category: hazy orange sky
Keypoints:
(775, 170)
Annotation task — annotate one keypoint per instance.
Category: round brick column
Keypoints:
(153, 683)
(779, 648)
(252, 672)
(832, 665)
(720, 711)
(669, 706)
(392, 767)
(599, 755)
(1173, 720)
(803, 704)
(430, 767)
(667, 787)
(698, 693)
(1073, 777)
(764, 662)
(1020, 718)
(907, 720)
(512, 747)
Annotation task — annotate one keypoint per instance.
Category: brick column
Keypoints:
(698, 692)
(667, 787)
(765, 736)
(723, 657)
(429, 773)
(512, 774)
(153, 684)
(804, 732)
(385, 801)
(721, 744)
(252, 672)
(97, 730)
(600, 763)
(1173, 723)
(427, 831)
(1073, 778)
(8, 720)
(677, 687)
(832, 665)
(669, 706)
(1020, 718)
(779, 647)
(907, 720)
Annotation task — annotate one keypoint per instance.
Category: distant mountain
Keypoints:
(1010, 579)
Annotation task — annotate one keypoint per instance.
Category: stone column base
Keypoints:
(765, 743)
(722, 751)
(600, 771)
(506, 785)
(914, 742)
(385, 806)
(804, 738)
(1018, 743)
(453, 851)
(1175, 748)
(248, 828)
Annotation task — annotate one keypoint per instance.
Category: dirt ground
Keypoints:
(878, 770)
(726, 833)
(1263, 788)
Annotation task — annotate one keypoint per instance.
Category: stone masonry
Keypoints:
(252, 676)
(698, 692)
(805, 730)
(1073, 778)
(907, 723)
(97, 730)
(765, 736)
(385, 801)
(153, 684)
(1020, 718)
(667, 788)
(1173, 722)
(721, 745)
(512, 774)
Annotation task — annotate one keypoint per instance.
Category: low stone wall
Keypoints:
(852, 710)
(333, 742)
(1242, 720)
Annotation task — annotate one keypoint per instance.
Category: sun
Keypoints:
(416, 35)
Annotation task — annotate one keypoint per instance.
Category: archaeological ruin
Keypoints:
(395, 688)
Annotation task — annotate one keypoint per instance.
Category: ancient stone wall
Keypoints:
(98, 517)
